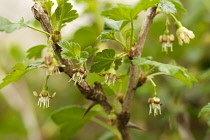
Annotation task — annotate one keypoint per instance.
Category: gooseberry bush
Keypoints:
(77, 62)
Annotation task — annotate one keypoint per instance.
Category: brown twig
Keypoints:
(124, 116)
(95, 93)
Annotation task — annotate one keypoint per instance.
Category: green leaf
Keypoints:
(8, 26)
(84, 54)
(117, 63)
(143, 5)
(48, 6)
(107, 35)
(103, 61)
(17, 72)
(73, 51)
(70, 120)
(107, 90)
(111, 24)
(177, 72)
(60, 2)
(35, 52)
(90, 50)
(179, 6)
(70, 50)
(128, 12)
(204, 110)
(167, 7)
(63, 14)
(122, 12)
(83, 57)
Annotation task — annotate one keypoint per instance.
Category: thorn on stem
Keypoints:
(132, 125)
(91, 105)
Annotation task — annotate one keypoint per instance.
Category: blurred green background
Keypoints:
(21, 119)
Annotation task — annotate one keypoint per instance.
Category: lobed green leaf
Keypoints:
(90, 50)
(63, 14)
(128, 12)
(71, 50)
(17, 72)
(8, 26)
(177, 72)
(48, 6)
(167, 7)
(103, 60)
(107, 35)
(122, 12)
(143, 5)
(111, 24)
(179, 6)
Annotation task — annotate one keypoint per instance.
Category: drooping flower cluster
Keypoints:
(110, 78)
(78, 75)
(155, 105)
(184, 35)
(167, 42)
(44, 98)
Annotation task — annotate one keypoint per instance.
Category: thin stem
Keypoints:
(151, 70)
(121, 55)
(45, 84)
(154, 86)
(85, 65)
(167, 23)
(158, 73)
(36, 29)
(121, 43)
(112, 129)
(177, 22)
(146, 24)
(131, 39)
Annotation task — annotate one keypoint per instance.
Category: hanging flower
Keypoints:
(44, 98)
(155, 105)
(167, 42)
(51, 63)
(110, 76)
(78, 75)
(184, 35)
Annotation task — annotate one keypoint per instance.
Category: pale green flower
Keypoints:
(184, 35)
(51, 64)
(167, 42)
(44, 98)
(78, 75)
(155, 105)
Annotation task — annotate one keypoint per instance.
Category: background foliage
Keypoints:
(181, 104)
